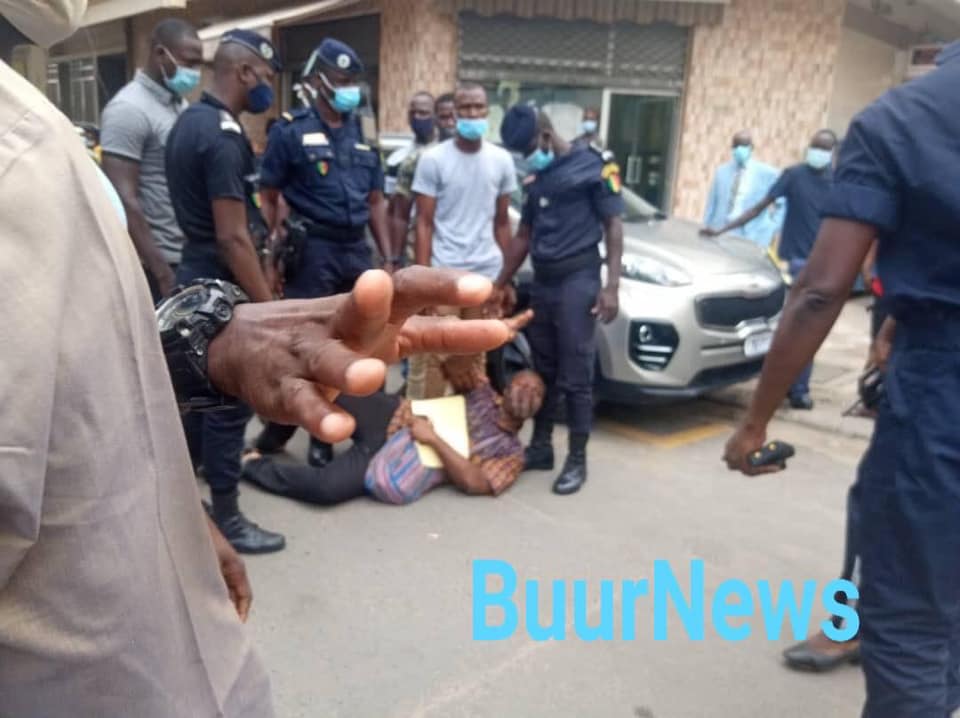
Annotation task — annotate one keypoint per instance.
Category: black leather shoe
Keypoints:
(573, 475)
(807, 656)
(246, 537)
(801, 401)
(319, 455)
(538, 457)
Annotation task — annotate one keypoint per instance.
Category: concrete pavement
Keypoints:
(368, 611)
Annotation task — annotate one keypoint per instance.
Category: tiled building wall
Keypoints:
(768, 67)
(418, 51)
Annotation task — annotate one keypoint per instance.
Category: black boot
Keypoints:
(273, 438)
(539, 455)
(244, 535)
(574, 472)
(319, 454)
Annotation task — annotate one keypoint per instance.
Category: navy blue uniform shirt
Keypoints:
(806, 191)
(208, 157)
(568, 202)
(899, 171)
(325, 174)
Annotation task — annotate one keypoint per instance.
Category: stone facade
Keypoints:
(768, 67)
(418, 51)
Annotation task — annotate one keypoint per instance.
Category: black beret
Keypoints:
(257, 44)
(519, 128)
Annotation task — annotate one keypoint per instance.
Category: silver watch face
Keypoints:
(181, 306)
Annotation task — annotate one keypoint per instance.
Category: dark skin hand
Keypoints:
(237, 249)
(234, 572)
(289, 360)
(814, 303)
(464, 474)
(608, 303)
(125, 176)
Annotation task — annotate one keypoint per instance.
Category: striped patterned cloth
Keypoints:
(396, 476)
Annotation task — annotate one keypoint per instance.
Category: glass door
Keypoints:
(639, 131)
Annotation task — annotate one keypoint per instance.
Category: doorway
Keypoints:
(640, 130)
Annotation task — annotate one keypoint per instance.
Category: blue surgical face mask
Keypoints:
(472, 128)
(184, 79)
(589, 127)
(741, 153)
(259, 97)
(422, 129)
(345, 99)
(538, 160)
(819, 158)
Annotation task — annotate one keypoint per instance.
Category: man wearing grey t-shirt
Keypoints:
(463, 188)
(136, 123)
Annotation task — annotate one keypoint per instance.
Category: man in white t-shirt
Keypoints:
(462, 188)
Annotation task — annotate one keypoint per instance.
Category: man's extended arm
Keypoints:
(514, 255)
(125, 175)
(237, 248)
(815, 301)
(743, 219)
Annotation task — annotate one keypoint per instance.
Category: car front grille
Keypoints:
(652, 345)
(728, 312)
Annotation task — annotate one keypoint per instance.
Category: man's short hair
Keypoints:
(445, 99)
(171, 31)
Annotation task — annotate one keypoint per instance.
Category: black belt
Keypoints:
(556, 269)
(332, 232)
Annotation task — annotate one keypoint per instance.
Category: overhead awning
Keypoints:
(265, 22)
(678, 12)
(99, 11)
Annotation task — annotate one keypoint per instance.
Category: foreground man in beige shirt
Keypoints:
(112, 603)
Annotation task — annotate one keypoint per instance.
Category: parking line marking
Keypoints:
(673, 440)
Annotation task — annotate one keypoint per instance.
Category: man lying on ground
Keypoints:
(384, 460)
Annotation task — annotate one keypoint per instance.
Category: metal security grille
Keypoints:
(508, 48)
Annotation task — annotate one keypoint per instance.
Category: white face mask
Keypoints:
(45, 22)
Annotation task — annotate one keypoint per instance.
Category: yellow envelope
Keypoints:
(449, 418)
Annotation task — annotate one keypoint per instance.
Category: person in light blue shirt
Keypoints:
(739, 185)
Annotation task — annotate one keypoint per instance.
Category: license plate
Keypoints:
(757, 345)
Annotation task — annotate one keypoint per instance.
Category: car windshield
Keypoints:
(635, 207)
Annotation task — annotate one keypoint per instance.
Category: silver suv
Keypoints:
(695, 314)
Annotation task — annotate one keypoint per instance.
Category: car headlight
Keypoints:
(653, 271)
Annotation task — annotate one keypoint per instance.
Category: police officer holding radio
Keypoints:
(333, 182)
(897, 180)
(573, 200)
(212, 180)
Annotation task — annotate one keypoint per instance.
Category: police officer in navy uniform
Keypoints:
(212, 179)
(572, 202)
(897, 179)
(332, 180)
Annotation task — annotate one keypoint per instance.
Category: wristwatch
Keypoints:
(189, 320)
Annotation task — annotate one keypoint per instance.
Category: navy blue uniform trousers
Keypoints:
(910, 529)
(215, 438)
(562, 337)
(327, 267)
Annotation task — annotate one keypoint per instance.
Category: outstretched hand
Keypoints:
(289, 360)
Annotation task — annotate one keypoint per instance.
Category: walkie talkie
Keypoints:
(773, 453)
